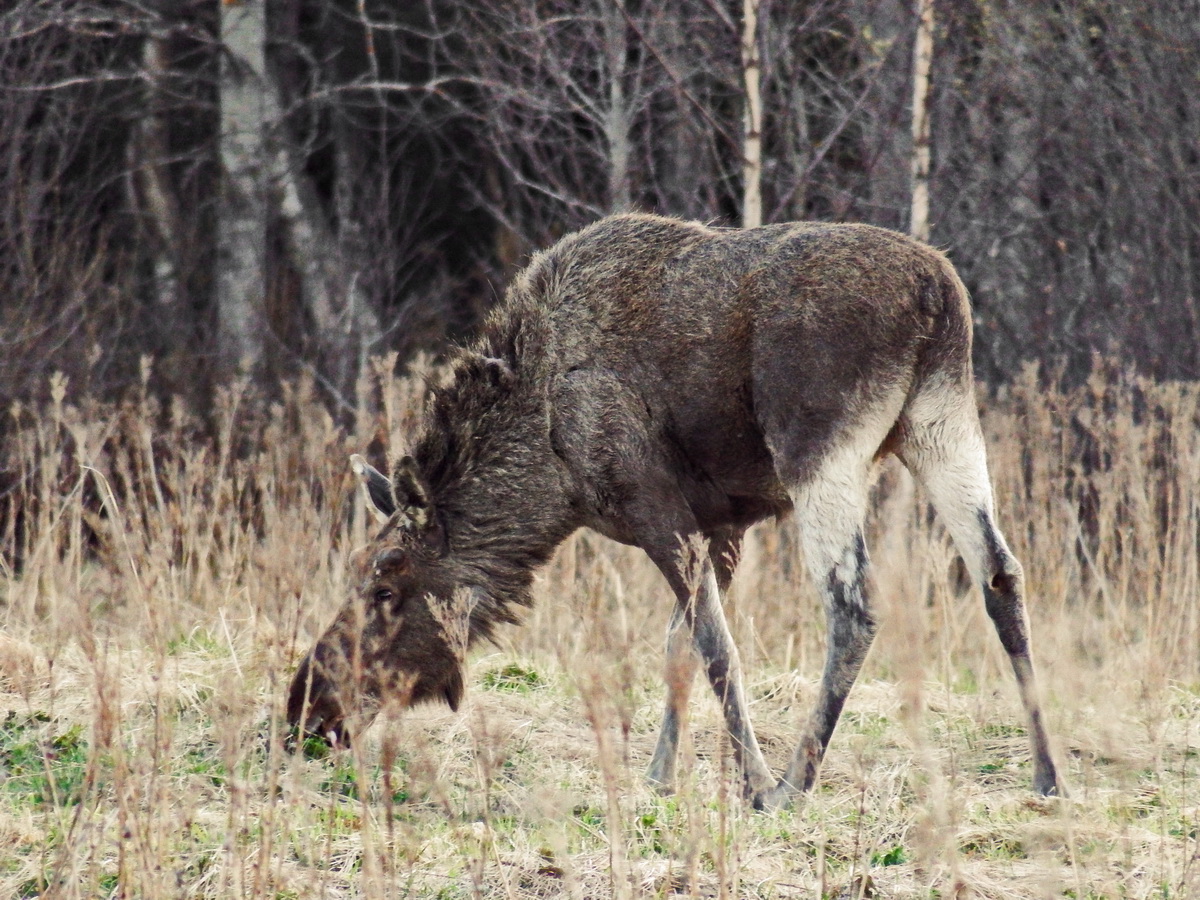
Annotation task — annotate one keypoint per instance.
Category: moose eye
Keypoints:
(383, 595)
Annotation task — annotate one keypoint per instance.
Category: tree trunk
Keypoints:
(617, 119)
(922, 63)
(187, 135)
(752, 119)
(245, 117)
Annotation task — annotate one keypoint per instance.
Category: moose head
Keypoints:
(402, 635)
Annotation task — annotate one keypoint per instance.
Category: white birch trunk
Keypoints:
(617, 120)
(263, 169)
(752, 118)
(243, 228)
(155, 193)
(922, 63)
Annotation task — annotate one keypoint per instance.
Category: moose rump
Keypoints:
(668, 384)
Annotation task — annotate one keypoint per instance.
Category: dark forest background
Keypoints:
(195, 189)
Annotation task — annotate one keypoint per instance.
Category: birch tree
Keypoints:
(617, 115)
(752, 215)
(922, 64)
(246, 114)
(268, 202)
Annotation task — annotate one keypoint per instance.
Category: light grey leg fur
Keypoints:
(723, 666)
(682, 663)
(698, 600)
(681, 667)
(944, 449)
(830, 509)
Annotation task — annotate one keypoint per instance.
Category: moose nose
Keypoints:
(313, 708)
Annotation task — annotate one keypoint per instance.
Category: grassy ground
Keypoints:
(157, 589)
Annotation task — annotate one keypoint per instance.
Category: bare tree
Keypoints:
(1067, 178)
(835, 86)
(246, 116)
(183, 158)
(616, 45)
(71, 258)
(922, 63)
(752, 215)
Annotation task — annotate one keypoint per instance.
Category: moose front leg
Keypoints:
(724, 546)
(698, 603)
(680, 674)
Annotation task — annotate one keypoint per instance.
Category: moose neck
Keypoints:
(493, 474)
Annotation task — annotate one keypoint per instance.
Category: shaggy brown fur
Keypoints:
(662, 382)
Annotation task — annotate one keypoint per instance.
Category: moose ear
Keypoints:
(453, 689)
(377, 490)
(498, 371)
(411, 493)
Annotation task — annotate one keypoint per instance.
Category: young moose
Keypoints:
(658, 381)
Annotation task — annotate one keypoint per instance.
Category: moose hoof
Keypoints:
(1050, 786)
(774, 798)
(661, 782)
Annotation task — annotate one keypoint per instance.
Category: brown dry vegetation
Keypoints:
(156, 590)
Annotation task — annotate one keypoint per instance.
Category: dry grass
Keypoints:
(156, 590)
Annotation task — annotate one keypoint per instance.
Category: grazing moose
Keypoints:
(659, 381)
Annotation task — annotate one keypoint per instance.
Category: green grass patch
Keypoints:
(1002, 730)
(654, 833)
(867, 724)
(996, 847)
(197, 640)
(203, 760)
(42, 766)
(343, 781)
(894, 856)
(515, 678)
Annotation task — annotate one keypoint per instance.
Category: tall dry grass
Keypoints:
(157, 586)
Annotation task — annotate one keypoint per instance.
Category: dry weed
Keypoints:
(157, 587)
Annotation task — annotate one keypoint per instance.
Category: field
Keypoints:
(157, 588)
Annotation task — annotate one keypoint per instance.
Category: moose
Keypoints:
(669, 384)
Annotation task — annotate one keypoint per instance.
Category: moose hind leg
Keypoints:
(1003, 594)
(947, 456)
(850, 630)
(830, 514)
